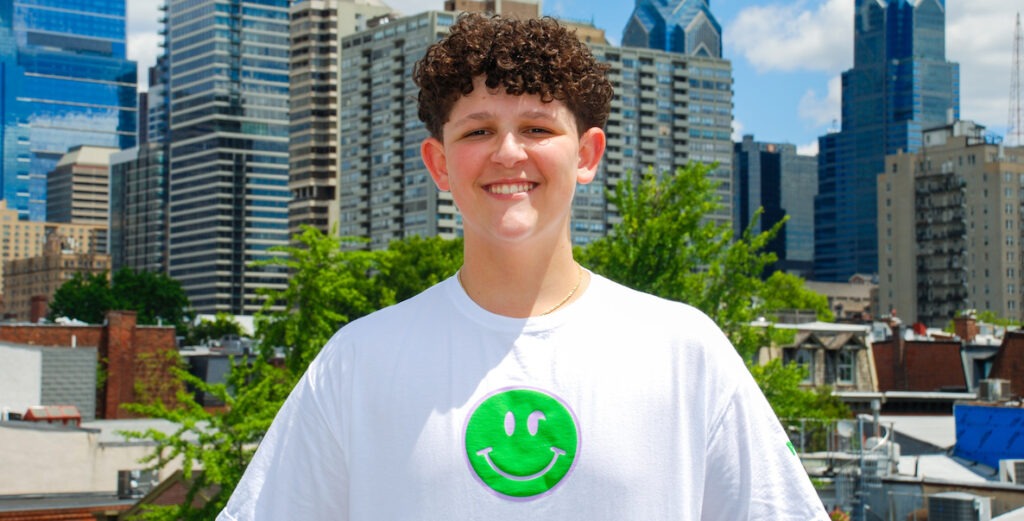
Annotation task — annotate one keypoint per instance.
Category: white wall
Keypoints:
(41, 460)
(20, 378)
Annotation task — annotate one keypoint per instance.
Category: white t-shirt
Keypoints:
(620, 406)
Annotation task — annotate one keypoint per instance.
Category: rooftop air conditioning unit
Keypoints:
(994, 390)
(959, 506)
(135, 484)
(1011, 471)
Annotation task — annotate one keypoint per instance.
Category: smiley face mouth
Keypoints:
(486, 453)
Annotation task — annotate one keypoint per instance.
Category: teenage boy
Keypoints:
(525, 387)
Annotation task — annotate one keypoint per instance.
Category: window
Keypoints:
(845, 365)
(804, 357)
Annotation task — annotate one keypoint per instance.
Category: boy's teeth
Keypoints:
(508, 189)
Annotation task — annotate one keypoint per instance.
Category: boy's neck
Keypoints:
(521, 284)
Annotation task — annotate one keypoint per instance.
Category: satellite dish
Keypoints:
(844, 428)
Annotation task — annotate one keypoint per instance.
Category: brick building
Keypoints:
(40, 276)
(135, 361)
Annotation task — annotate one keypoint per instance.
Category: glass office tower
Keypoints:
(65, 82)
(682, 26)
(229, 195)
(900, 83)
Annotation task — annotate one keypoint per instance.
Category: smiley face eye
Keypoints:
(533, 422)
(510, 423)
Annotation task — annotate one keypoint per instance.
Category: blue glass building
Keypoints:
(900, 83)
(65, 82)
(683, 26)
(773, 177)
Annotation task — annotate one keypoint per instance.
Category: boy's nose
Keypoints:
(510, 150)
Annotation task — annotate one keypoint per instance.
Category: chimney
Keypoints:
(38, 308)
(966, 327)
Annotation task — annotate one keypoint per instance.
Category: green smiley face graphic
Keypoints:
(521, 442)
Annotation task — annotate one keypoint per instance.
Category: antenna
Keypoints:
(1014, 128)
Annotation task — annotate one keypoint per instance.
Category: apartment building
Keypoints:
(951, 227)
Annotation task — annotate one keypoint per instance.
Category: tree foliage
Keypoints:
(787, 291)
(214, 447)
(781, 385)
(155, 297)
(667, 244)
(85, 297)
(331, 283)
(206, 330)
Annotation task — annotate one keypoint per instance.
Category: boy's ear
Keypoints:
(432, 151)
(592, 145)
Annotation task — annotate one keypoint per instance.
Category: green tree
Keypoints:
(331, 283)
(781, 384)
(666, 244)
(787, 291)
(214, 447)
(85, 297)
(412, 265)
(156, 298)
(222, 324)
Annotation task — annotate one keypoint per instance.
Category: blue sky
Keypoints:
(787, 56)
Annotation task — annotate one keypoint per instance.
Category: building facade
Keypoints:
(680, 26)
(517, 8)
(78, 188)
(138, 209)
(23, 239)
(65, 82)
(775, 178)
(960, 245)
(669, 109)
(42, 275)
(228, 149)
(900, 84)
(314, 89)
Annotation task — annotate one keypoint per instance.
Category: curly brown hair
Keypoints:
(533, 56)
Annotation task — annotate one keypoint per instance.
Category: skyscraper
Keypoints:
(683, 26)
(900, 83)
(228, 152)
(773, 176)
(317, 27)
(66, 82)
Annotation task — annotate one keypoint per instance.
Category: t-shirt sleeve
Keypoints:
(299, 470)
(752, 474)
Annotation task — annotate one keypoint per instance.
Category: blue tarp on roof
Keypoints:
(987, 434)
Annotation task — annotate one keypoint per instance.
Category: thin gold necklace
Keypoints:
(579, 280)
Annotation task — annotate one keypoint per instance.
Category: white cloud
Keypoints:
(979, 35)
(822, 111)
(143, 40)
(737, 130)
(801, 35)
(809, 149)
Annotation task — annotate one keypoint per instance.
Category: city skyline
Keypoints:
(786, 56)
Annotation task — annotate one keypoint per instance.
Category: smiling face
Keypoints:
(512, 163)
(521, 443)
